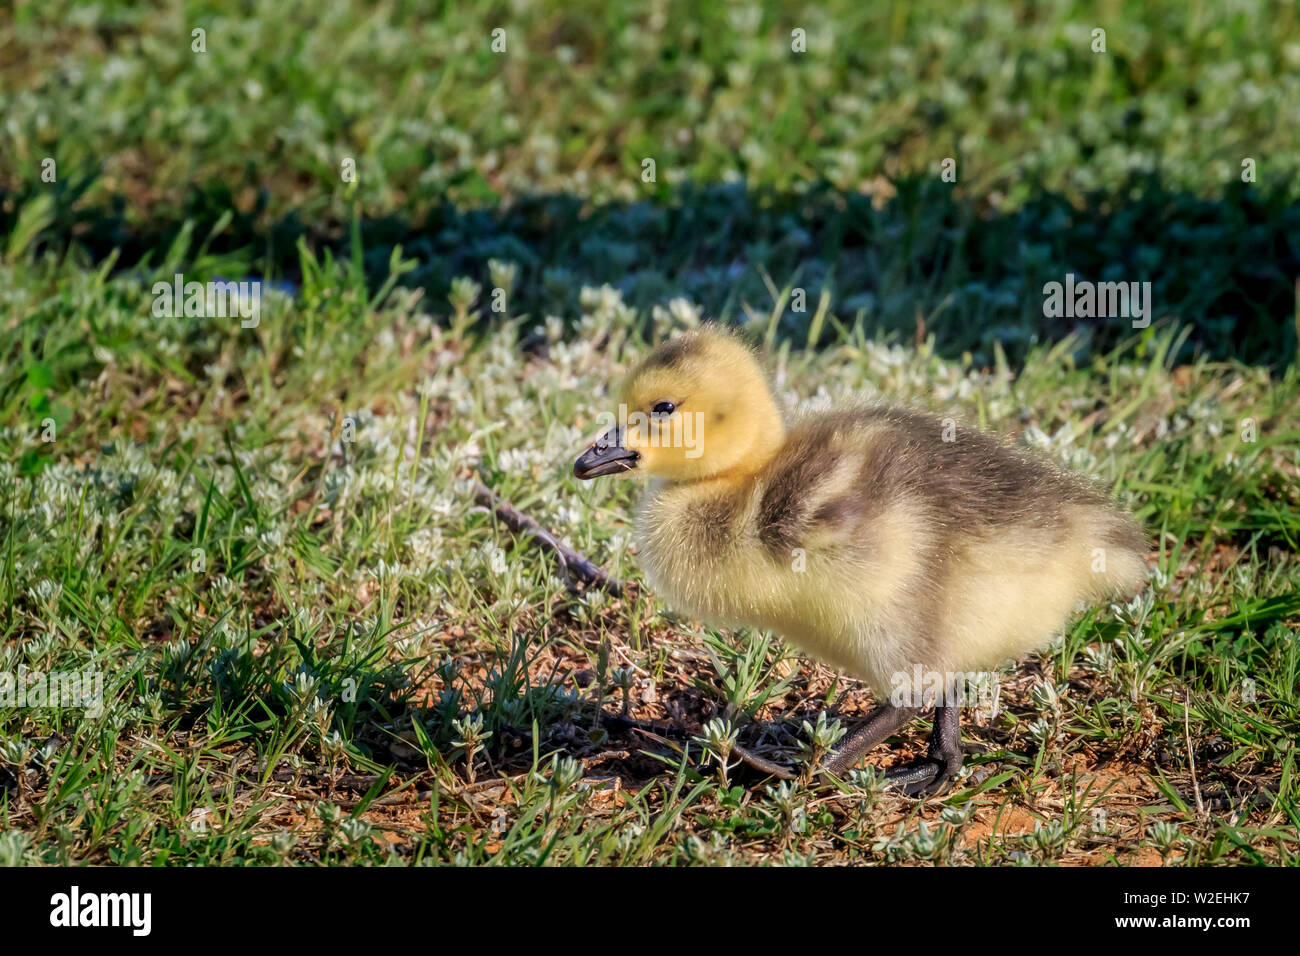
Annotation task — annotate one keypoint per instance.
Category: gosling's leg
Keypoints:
(933, 774)
(873, 730)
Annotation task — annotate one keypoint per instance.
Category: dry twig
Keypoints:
(573, 563)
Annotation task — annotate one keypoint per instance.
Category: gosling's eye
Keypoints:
(663, 409)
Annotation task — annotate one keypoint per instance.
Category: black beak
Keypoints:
(606, 457)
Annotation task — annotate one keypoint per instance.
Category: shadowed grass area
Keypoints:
(1227, 266)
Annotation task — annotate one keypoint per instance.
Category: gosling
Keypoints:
(887, 543)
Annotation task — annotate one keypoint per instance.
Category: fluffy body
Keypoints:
(861, 534)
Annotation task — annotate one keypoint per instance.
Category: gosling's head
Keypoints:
(696, 407)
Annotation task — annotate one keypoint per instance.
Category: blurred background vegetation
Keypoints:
(773, 168)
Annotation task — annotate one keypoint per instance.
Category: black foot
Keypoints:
(925, 778)
(935, 773)
(873, 730)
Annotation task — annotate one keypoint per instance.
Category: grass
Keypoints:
(1118, 165)
(584, 93)
(315, 646)
(318, 649)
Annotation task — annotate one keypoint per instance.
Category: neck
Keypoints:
(769, 437)
(740, 475)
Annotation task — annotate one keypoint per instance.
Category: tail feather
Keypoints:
(1117, 558)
